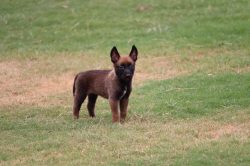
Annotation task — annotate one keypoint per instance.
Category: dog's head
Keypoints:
(124, 65)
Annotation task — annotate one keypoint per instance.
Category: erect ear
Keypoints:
(133, 53)
(114, 54)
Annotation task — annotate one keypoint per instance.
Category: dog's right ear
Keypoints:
(133, 54)
(114, 54)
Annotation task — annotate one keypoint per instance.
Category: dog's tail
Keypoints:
(74, 85)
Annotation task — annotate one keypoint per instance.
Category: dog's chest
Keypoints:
(124, 91)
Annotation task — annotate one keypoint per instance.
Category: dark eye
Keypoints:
(131, 66)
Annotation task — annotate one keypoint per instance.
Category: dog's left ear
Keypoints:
(114, 54)
(133, 53)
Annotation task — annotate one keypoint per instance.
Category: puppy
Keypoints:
(114, 85)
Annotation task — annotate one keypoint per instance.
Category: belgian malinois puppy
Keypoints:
(114, 85)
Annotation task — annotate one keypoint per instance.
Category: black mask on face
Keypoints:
(125, 72)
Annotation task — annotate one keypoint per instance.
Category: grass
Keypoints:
(180, 133)
(195, 95)
(190, 101)
(219, 153)
(93, 27)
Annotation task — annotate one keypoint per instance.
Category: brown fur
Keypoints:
(114, 85)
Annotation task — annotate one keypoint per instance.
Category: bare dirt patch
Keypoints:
(224, 130)
(143, 8)
(215, 131)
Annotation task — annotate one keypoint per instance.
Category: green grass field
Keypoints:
(190, 103)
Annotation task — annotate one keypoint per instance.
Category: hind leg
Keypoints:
(78, 100)
(91, 104)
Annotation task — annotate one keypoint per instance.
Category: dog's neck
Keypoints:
(125, 84)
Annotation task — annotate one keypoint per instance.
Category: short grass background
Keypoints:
(191, 97)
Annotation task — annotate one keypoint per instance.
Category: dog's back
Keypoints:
(92, 81)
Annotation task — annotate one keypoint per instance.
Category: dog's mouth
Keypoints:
(128, 77)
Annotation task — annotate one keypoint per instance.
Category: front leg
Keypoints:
(114, 108)
(123, 108)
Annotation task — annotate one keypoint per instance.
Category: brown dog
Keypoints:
(114, 85)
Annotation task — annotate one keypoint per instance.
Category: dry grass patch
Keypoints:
(20, 87)
(158, 68)
(33, 81)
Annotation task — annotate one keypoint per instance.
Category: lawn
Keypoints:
(191, 91)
